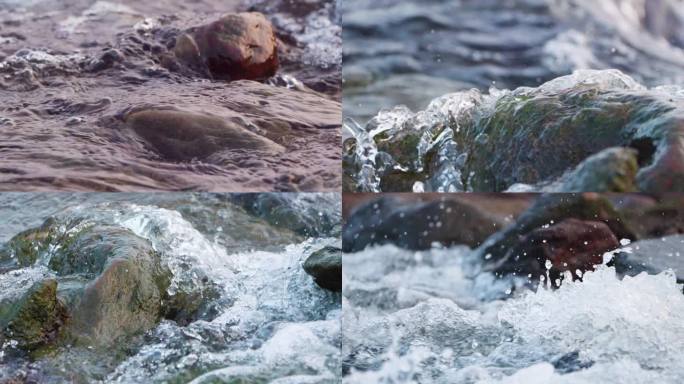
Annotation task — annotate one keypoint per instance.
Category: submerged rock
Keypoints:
(182, 136)
(325, 266)
(237, 46)
(307, 215)
(549, 210)
(572, 245)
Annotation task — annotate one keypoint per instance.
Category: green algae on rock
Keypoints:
(32, 318)
(109, 282)
(532, 137)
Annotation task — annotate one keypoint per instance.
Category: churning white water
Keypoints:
(427, 317)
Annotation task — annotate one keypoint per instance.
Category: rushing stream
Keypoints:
(423, 317)
(263, 320)
(572, 288)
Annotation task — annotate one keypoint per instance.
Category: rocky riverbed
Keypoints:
(170, 288)
(131, 96)
(574, 288)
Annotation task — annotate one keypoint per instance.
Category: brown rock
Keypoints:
(237, 46)
(570, 245)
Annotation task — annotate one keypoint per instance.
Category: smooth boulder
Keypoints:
(652, 256)
(548, 210)
(237, 46)
(183, 136)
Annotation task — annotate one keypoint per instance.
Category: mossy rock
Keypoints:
(35, 318)
(27, 247)
(611, 170)
(531, 136)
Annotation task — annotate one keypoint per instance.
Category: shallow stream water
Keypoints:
(71, 70)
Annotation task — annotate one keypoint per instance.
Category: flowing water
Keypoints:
(72, 70)
(409, 52)
(269, 323)
(430, 317)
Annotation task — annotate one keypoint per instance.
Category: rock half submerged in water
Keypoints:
(529, 136)
(325, 266)
(101, 285)
(237, 46)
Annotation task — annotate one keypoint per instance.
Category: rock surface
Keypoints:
(549, 210)
(32, 318)
(325, 266)
(419, 225)
(104, 285)
(182, 136)
(572, 245)
(653, 256)
(611, 170)
(237, 46)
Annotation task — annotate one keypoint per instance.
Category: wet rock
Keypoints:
(611, 170)
(419, 225)
(571, 245)
(183, 136)
(307, 215)
(25, 248)
(125, 295)
(653, 256)
(112, 283)
(325, 266)
(237, 46)
(34, 318)
(549, 210)
(108, 59)
(535, 136)
(651, 217)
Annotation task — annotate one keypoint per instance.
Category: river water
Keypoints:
(72, 70)
(410, 52)
(429, 317)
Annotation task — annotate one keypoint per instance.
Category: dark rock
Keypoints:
(237, 46)
(419, 225)
(571, 245)
(653, 256)
(652, 217)
(551, 209)
(183, 136)
(325, 265)
(305, 214)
